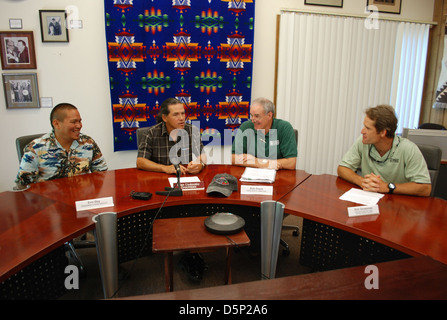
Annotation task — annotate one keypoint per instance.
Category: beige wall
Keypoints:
(76, 72)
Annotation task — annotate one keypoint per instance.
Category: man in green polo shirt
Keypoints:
(389, 163)
(265, 142)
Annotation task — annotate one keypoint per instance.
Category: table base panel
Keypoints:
(44, 279)
(326, 248)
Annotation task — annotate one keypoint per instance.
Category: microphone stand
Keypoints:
(176, 191)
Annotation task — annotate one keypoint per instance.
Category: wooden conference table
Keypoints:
(412, 225)
(37, 222)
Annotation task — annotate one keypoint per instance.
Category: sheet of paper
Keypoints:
(173, 180)
(362, 197)
(264, 190)
(258, 175)
(363, 211)
(94, 203)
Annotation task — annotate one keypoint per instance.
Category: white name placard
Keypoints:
(264, 190)
(94, 204)
(363, 211)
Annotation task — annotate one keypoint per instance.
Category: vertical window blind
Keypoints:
(331, 69)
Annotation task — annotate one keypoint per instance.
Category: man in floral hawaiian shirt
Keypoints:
(63, 152)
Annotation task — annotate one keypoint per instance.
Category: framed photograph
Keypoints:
(53, 25)
(385, 6)
(17, 50)
(15, 23)
(327, 3)
(21, 90)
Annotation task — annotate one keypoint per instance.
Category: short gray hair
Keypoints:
(266, 104)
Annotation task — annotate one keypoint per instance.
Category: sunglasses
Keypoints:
(389, 153)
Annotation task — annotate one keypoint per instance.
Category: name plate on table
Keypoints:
(187, 183)
(363, 211)
(190, 186)
(263, 190)
(94, 204)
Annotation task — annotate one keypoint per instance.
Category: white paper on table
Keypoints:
(258, 175)
(366, 198)
(173, 180)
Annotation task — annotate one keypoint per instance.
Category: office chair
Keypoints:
(70, 246)
(432, 156)
(21, 143)
(434, 126)
(296, 229)
(140, 132)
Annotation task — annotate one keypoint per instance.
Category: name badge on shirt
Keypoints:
(274, 143)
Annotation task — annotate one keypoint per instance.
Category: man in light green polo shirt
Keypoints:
(389, 163)
(265, 142)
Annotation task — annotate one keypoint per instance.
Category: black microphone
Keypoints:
(178, 172)
(176, 191)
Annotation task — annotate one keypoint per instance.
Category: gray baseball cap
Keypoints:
(223, 183)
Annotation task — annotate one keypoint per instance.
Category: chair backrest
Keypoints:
(140, 132)
(434, 126)
(432, 156)
(296, 137)
(21, 143)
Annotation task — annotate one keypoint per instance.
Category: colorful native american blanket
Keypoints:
(199, 51)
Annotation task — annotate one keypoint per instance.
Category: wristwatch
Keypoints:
(391, 186)
(203, 164)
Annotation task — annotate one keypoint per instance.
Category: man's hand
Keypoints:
(245, 159)
(170, 169)
(194, 167)
(374, 183)
(273, 164)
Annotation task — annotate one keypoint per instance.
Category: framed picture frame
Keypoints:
(17, 50)
(327, 3)
(53, 25)
(15, 23)
(385, 6)
(21, 90)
